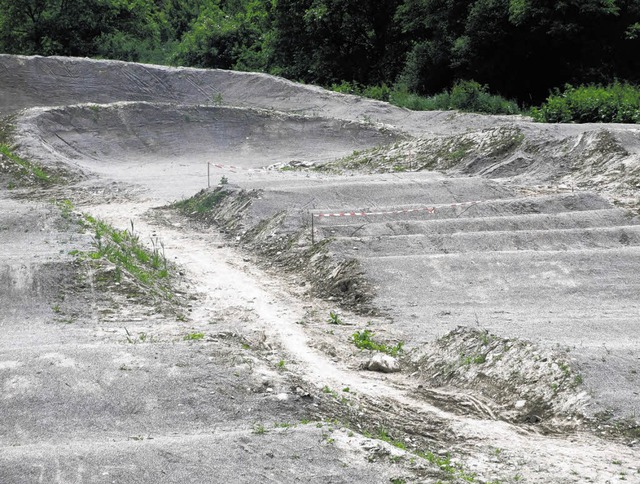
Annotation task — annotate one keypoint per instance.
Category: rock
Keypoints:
(383, 363)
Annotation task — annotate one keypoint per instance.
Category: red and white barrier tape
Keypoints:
(429, 210)
(234, 168)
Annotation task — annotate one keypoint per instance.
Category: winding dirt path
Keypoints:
(488, 447)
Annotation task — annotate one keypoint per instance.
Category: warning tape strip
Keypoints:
(394, 212)
(234, 168)
(264, 169)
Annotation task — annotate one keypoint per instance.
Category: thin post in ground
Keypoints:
(312, 230)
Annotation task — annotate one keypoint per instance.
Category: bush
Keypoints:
(381, 92)
(468, 96)
(471, 96)
(615, 103)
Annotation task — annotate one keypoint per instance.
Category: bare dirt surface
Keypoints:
(500, 256)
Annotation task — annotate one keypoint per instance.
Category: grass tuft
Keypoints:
(202, 202)
(123, 248)
(364, 341)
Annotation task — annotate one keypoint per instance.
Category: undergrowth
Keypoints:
(124, 249)
(615, 103)
(467, 96)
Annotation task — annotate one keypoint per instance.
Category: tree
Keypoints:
(432, 29)
(327, 41)
(232, 38)
(521, 48)
(71, 27)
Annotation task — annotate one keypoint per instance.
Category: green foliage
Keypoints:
(381, 92)
(334, 318)
(327, 41)
(467, 96)
(202, 202)
(124, 249)
(79, 27)
(519, 48)
(615, 103)
(227, 38)
(364, 341)
(193, 336)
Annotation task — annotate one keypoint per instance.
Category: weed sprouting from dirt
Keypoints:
(121, 257)
(141, 337)
(334, 318)
(364, 341)
(124, 249)
(259, 429)
(7, 128)
(193, 336)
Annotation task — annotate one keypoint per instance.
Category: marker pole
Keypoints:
(312, 230)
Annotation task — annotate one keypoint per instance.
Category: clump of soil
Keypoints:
(523, 382)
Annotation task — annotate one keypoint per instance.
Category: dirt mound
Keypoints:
(522, 382)
(60, 81)
(603, 159)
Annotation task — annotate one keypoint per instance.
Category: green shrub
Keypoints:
(615, 103)
(26, 169)
(468, 96)
(381, 92)
(471, 96)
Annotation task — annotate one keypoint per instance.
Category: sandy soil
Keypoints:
(100, 384)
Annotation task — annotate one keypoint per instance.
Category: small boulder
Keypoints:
(383, 363)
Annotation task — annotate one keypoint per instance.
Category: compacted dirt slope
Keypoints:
(408, 225)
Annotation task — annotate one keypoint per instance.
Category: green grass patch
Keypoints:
(202, 202)
(26, 170)
(123, 248)
(364, 341)
(615, 103)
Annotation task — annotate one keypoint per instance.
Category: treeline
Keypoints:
(521, 49)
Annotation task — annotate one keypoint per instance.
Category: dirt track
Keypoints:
(533, 250)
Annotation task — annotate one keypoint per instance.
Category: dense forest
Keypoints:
(521, 49)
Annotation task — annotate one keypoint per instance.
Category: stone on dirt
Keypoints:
(383, 363)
